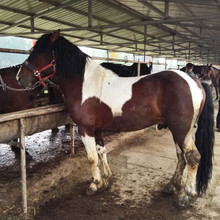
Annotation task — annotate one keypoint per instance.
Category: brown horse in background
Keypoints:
(12, 100)
(214, 74)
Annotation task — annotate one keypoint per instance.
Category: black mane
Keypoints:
(70, 60)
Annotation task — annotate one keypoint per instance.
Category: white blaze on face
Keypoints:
(110, 89)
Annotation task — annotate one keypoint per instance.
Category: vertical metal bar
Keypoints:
(90, 13)
(23, 165)
(173, 44)
(208, 56)
(32, 25)
(72, 138)
(145, 41)
(101, 39)
(139, 69)
(107, 55)
(189, 52)
(166, 12)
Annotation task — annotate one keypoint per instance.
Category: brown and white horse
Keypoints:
(98, 100)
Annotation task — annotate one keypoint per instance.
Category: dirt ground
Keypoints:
(142, 163)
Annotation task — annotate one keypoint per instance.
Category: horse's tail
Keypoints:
(205, 141)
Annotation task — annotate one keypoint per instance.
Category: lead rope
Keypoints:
(5, 87)
(57, 87)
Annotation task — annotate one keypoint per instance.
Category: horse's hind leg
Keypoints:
(102, 153)
(192, 158)
(217, 93)
(176, 181)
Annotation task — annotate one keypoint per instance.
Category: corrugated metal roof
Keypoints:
(181, 28)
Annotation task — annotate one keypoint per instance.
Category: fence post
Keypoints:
(23, 165)
(72, 138)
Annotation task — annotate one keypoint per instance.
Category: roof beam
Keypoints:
(165, 14)
(153, 22)
(194, 2)
(41, 13)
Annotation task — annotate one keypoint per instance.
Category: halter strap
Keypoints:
(3, 85)
(37, 73)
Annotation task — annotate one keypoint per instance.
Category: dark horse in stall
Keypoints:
(214, 74)
(14, 97)
(128, 71)
(98, 100)
(10, 99)
(197, 69)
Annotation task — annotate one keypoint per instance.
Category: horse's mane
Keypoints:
(70, 60)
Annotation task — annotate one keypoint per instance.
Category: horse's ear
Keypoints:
(54, 36)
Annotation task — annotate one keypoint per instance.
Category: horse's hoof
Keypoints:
(103, 187)
(182, 203)
(90, 192)
(168, 190)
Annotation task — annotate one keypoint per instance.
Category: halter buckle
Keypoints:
(36, 73)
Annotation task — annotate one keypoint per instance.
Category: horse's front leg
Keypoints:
(102, 153)
(88, 139)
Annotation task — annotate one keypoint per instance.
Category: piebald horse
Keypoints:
(98, 100)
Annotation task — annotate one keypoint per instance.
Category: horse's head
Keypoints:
(204, 72)
(40, 65)
(210, 70)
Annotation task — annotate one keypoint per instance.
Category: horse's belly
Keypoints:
(121, 123)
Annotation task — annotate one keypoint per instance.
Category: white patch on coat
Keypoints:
(105, 85)
(196, 92)
(197, 97)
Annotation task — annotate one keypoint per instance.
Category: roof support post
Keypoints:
(208, 56)
(189, 52)
(166, 12)
(32, 25)
(145, 40)
(101, 39)
(90, 13)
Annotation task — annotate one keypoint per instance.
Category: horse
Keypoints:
(14, 97)
(214, 74)
(197, 69)
(144, 69)
(119, 69)
(99, 100)
(11, 98)
(128, 71)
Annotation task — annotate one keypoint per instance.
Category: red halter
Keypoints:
(37, 73)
